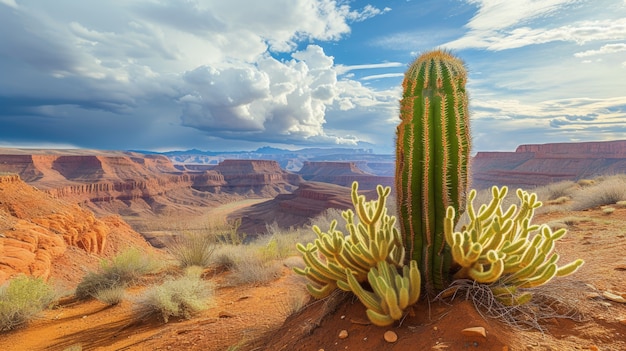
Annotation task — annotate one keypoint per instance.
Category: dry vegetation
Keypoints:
(203, 261)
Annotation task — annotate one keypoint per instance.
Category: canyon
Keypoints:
(540, 164)
(146, 188)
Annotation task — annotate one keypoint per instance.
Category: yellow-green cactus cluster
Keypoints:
(393, 292)
(372, 239)
(504, 248)
(372, 248)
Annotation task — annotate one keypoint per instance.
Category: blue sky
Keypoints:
(240, 74)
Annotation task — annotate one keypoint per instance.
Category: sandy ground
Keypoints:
(243, 314)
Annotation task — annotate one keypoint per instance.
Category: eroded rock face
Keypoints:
(261, 177)
(297, 208)
(535, 165)
(342, 173)
(111, 182)
(36, 227)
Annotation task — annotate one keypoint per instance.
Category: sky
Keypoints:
(218, 75)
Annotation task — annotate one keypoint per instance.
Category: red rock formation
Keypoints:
(342, 173)
(260, 177)
(534, 165)
(35, 228)
(608, 149)
(297, 208)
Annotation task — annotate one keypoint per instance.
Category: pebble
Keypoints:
(474, 331)
(343, 334)
(390, 336)
(614, 297)
(622, 321)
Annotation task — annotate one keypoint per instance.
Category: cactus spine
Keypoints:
(432, 158)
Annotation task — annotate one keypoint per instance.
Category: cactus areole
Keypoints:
(432, 159)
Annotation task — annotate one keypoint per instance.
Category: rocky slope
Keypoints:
(342, 173)
(296, 209)
(36, 229)
(540, 164)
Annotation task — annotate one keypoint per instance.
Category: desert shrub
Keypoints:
(229, 233)
(608, 210)
(324, 219)
(552, 192)
(608, 192)
(192, 249)
(21, 299)
(586, 182)
(621, 203)
(176, 297)
(122, 270)
(248, 266)
(279, 244)
(110, 296)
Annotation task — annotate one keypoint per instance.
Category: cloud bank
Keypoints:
(180, 73)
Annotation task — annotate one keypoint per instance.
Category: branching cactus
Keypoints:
(374, 238)
(392, 292)
(432, 158)
(504, 249)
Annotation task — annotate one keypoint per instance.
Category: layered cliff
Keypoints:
(342, 173)
(297, 208)
(540, 164)
(260, 177)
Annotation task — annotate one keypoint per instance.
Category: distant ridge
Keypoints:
(540, 164)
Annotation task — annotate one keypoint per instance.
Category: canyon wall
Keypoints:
(296, 209)
(541, 164)
(342, 173)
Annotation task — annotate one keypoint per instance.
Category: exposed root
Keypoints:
(545, 305)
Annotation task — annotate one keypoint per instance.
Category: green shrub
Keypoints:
(192, 249)
(21, 299)
(176, 297)
(122, 270)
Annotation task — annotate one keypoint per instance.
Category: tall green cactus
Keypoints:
(432, 158)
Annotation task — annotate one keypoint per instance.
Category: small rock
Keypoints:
(224, 314)
(343, 334)
(594, 348)
(474, 331)
(622, 321)
(390, 336)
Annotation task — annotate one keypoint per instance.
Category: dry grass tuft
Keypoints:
(192, 249)
(609, 191)
(176, 297)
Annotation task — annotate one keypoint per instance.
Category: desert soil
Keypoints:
(244, 314)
